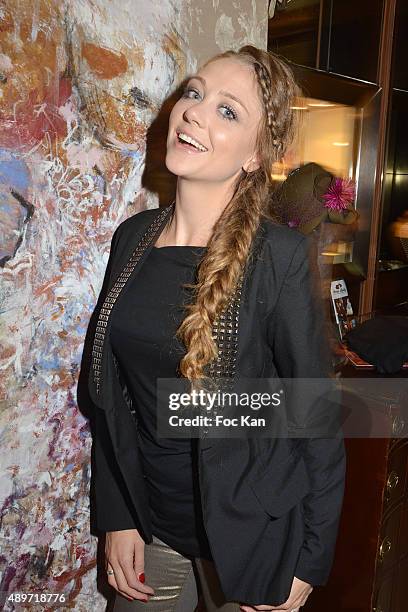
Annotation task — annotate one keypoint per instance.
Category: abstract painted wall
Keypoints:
(80, 83)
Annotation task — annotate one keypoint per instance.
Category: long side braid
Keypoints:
(230, 244)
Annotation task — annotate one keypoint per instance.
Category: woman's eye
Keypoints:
(188, 91)
(230, 114)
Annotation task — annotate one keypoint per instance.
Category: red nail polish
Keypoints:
(141, 577)
(144, 600)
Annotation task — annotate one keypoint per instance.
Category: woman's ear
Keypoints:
(251, 164)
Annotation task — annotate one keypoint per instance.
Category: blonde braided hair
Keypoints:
(230, 244)
(264, 82)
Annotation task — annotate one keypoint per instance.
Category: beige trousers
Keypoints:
(177, 582)
(181, 584)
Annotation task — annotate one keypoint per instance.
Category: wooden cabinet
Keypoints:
(371, 561)
(294, 31)
(391, 280)
(400, 72)
(354, 39)
(348, 45)
(340, 36)
(392, 552)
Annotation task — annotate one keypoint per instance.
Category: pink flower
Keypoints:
(340, 194)
(294, 222)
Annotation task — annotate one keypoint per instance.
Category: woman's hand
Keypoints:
(124, 555)
(299, 592)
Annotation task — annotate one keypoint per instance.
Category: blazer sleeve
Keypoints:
(111, 507)
(300, 346)
(111, 510)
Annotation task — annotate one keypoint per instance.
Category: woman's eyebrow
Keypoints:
(222, 92)
(230, 95)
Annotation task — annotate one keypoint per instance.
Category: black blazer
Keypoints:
(271, 507)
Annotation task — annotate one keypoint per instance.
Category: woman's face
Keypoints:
(220, 110)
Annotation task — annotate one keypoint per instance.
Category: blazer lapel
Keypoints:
(137, 257)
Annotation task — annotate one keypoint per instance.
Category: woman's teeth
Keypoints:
(191, 141)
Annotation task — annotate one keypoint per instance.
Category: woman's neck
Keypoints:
(198, 207)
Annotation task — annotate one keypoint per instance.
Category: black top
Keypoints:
(143, 328)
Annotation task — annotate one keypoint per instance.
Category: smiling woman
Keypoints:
(229, 297)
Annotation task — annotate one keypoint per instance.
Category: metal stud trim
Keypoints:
(114, 292)
(225, 334)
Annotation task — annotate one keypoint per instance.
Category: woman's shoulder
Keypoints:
(281, 240)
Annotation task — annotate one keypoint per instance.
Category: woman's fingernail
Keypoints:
(141, 577)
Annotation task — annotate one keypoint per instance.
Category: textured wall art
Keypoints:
(80, 82)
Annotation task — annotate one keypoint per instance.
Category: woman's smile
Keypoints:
(188, 143)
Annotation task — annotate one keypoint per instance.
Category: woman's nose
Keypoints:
(195, 114)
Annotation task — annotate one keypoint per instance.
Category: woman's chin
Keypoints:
(178, 167)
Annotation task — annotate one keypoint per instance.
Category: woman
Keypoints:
(211, 287)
